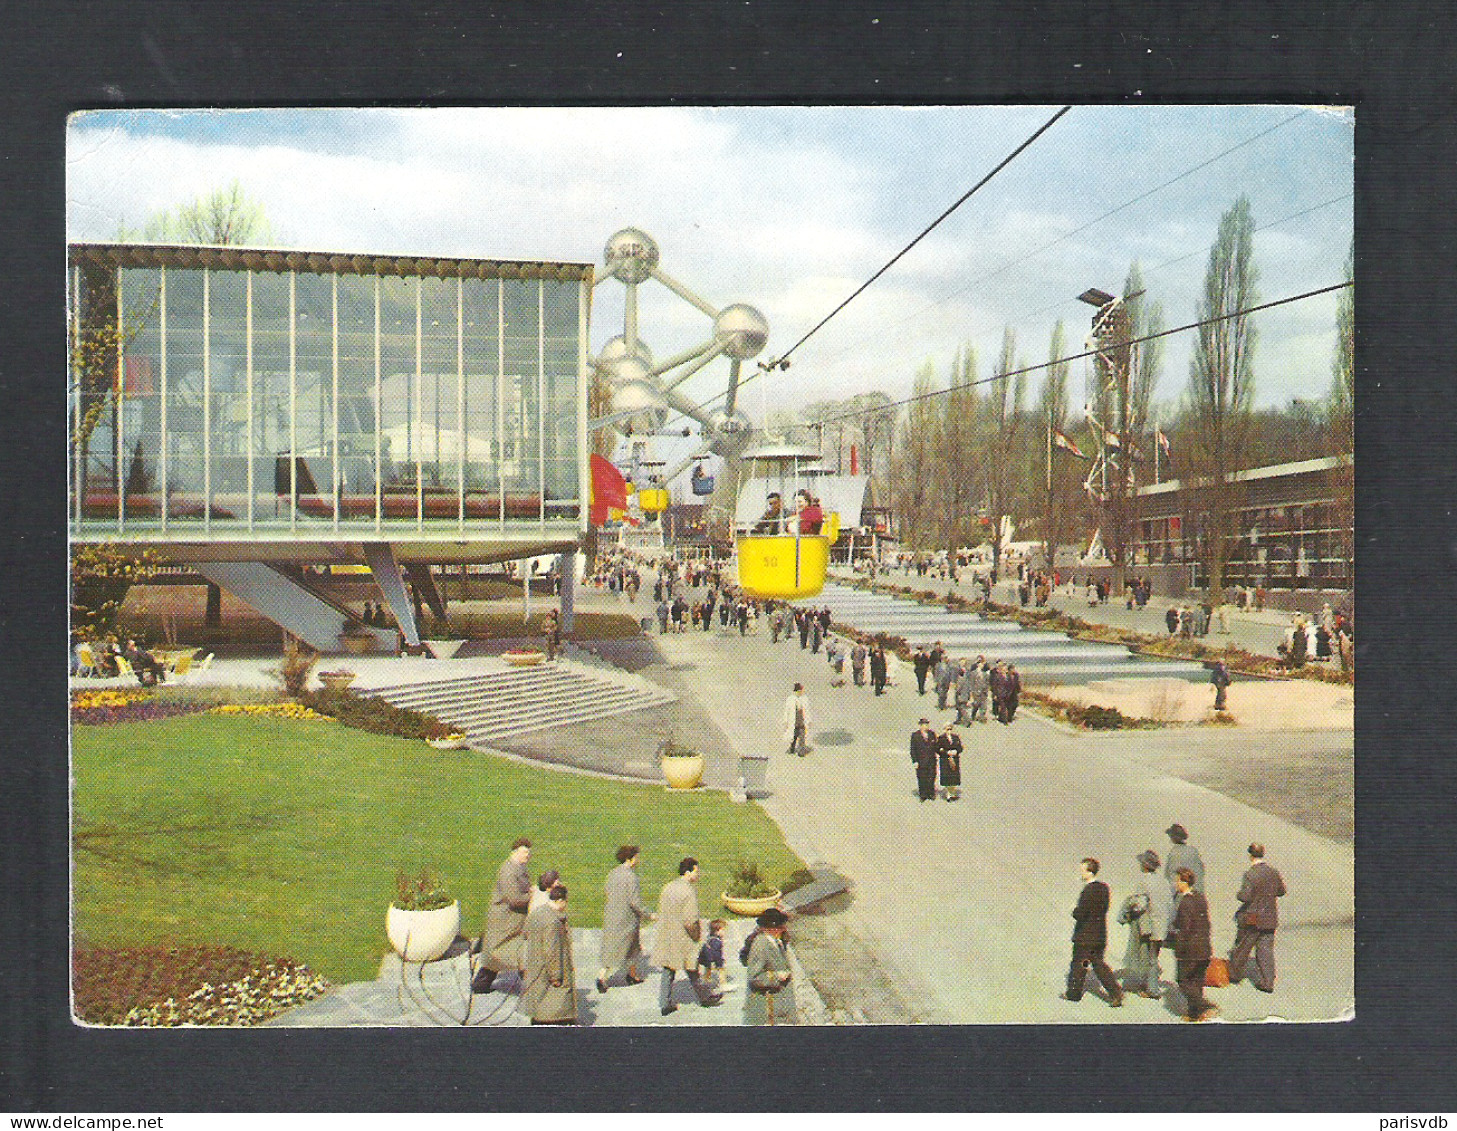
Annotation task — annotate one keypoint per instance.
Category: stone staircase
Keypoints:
(491, 706)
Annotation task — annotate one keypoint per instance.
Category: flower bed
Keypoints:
(284, 710)
(124, 705)
(187, 985)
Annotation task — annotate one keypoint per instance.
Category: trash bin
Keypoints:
(754, 773)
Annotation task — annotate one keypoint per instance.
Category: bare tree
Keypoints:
(1004, 420)
(915, 463)
(224, 217)
(1221, 389)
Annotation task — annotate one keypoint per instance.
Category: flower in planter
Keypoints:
(425, 892)
(747, 881)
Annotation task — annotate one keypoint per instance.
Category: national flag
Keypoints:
(1067, 445)
(609, 491)
(1163, 442)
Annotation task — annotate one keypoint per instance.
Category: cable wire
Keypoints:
(1150, 270)
(1009, 264)
(1047, 125)
(1087, 353)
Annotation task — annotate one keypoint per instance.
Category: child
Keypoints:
(710, 957)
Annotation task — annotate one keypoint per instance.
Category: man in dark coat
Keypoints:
(922, 663)
(1192, 948)
(1012, 693)
(877, 668)
(1256, 920)
(923, 754)
(1090, 937)
(1220, 678)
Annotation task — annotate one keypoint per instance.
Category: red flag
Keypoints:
(609, 490)
(1163, 442)
(854, 461)
(1063, 442)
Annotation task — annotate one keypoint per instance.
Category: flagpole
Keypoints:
(1156, 446)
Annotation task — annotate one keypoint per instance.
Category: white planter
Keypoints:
(422, 936)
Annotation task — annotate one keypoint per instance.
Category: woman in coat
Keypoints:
(770, 997)
(549, 994)
(622, 919)
(948, 752)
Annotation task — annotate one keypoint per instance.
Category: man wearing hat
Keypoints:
(1256, 921)
(770, 1000)
(1182, 854)
(1153, 925)
(923, 754)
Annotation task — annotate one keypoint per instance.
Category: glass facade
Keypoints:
(263, 394)
(1289, 532)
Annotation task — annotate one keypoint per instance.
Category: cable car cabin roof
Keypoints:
(782, 451)
(843, 494)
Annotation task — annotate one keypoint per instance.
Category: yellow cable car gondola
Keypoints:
(785, 564)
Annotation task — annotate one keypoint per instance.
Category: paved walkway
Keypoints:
(968, 904)
(437, 994)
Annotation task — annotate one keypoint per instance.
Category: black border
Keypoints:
(1393, 62)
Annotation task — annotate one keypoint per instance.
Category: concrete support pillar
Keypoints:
(567, 565)
(391, 582)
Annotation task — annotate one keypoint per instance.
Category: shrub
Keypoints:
(293, 671)
(374, 715)
(186, 985)
(747, 881)
(1095, 717)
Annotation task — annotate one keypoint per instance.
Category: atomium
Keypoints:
(642, 390)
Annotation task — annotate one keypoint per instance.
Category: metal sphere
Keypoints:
(722, 424)
(631, 255)
(615, 350)
(644, 400)
(743, 330)
(626, 370)
(728, 442)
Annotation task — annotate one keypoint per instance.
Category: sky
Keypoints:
(790, 209)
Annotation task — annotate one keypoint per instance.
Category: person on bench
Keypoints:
(149, 669)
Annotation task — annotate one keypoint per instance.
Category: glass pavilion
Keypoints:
(226, 395)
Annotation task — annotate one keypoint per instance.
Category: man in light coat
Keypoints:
(622, 917)
(500, 944)
(981, 689)
(1256, 920)
(796, 721)
(549, 989)
(679, 934)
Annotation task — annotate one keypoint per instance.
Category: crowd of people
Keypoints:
(527, 933)
(1170, 912)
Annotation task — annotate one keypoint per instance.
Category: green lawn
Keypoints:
(284, 835)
